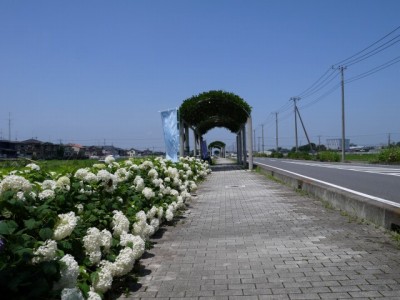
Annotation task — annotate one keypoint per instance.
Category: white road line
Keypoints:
(373, 170)
(338, 187)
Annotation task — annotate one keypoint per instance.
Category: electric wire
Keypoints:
(374, 70)
(373, 44)
(372, 53)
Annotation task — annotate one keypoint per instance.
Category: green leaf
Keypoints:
(31, 224)
(50, 268)
(46, 233)
(7, 227)
(94, 277)
(84, 287)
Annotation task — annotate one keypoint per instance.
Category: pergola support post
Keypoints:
(244, 146)
(187, 147)
(181, 138)
(250, 141)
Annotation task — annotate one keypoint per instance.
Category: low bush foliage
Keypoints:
(69, 234)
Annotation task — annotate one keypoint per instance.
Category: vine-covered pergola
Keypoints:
(219, 145)
(211, 109)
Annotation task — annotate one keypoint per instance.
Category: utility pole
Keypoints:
(259, 143)
(9, 126)
(305, 131)
(294, 99)
(254, 142)
(262, 126)
(276, 122)
(341, 69)
(389, 142)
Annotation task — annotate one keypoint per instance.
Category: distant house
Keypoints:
(8, 149)
(31, 148)
(133, 153)
(74, 151)
(336, 144)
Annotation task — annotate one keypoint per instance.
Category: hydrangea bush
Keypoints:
(69, 236)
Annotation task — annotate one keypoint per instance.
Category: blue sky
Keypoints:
(95, 72)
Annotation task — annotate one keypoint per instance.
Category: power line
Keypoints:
(374, 70)
(372, 53)
(373, 44)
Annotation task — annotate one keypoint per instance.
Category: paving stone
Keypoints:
(246, 237)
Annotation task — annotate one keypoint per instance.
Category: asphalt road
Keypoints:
(374, 180)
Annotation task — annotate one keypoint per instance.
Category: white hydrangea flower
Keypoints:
(67, 223)
(160, 212)
(46, 194)
(21, 196)
(128, 163)
(139, 183)
(120, 223)
(93, 240)
(148, 231)
(105, 239)
(81, 173)
(92, 244)
(176, 182)
(192, 186)
(49, 184)
(46, 252)
(174, 193)
(15, 183)
(148, 193)
(151, 213)
(108, 180)
(33, 167)
(99, 166)
(134, 167)
(90, 178)
(124, 262)
(169, 215)
(122, 174)
(141, 216)
(71, 294)
(79, 208)
(157, 182)
(93, 296)
(105, 278)
(109, 159)
(166, 191)
(155, 223)
(63, 183)
(147, 164)
(186, 195)
(153, 174)
(69, 272)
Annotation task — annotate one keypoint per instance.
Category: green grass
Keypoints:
(59, 166)
(365, 157)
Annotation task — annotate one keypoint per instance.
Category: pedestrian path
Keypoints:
(247, 237)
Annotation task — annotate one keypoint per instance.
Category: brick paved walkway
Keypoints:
(247, 237)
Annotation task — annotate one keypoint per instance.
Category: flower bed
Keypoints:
(69, 235)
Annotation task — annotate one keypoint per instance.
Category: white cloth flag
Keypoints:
(171, 134)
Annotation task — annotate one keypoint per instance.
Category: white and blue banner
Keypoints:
(169, 120)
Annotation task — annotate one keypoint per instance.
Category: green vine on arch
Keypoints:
(215, 109)
(217, 144)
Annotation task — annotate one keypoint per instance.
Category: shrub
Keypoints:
(299, 155)
(389, 155)
(70, 234)
(328, 156)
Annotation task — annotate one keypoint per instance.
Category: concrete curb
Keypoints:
(379, 213)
